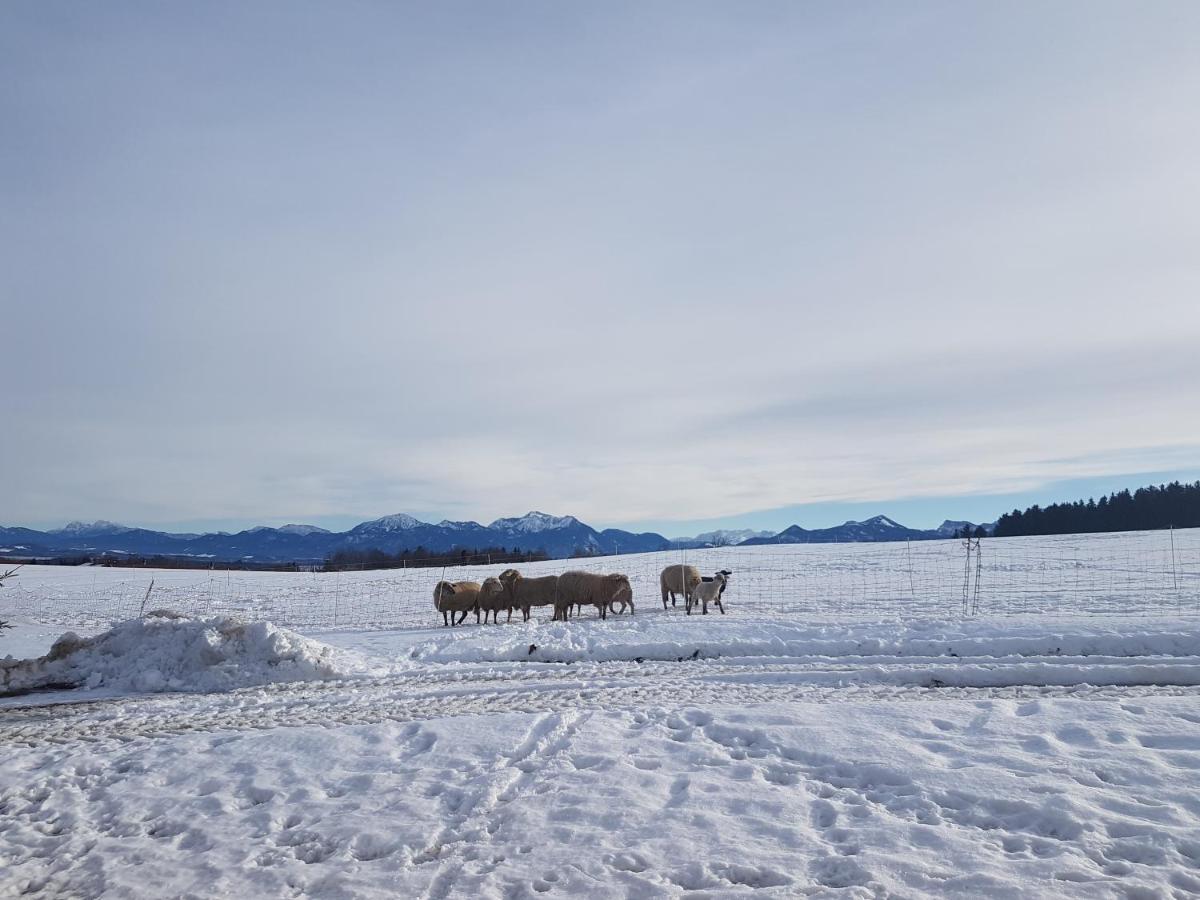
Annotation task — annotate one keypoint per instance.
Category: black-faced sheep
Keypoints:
(589, 589)
(678, 579)
(709, 590)
(450, 597)
(526, 593)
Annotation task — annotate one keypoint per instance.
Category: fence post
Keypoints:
(912, 590)
(142, 611)
(1174, 569)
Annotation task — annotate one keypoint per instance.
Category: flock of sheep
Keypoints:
(570, 591)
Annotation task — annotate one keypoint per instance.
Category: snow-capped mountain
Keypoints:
(725, 537)
(395, 522)
(877, 528)
(557, 536)
(302, 529)
(534, 522)
(954, 527)
(88, 529)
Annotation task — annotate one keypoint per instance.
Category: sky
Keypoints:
(656, 265)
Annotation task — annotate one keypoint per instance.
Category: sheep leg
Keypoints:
(445, 621)
(463, 617)
(721, 607)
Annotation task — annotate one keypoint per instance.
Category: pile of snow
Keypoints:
(167, 652)
(670, 638)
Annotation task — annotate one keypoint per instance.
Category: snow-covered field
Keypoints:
(864, 747)
(1136, 573)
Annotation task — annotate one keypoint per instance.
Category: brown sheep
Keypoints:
(590, 589)
(526, 593)
(678, 579)
(492, 598)
(450, 597)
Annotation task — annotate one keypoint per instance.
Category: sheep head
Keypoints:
(622, 590)
(509, 578)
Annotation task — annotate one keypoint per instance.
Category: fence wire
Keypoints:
(1136, 573)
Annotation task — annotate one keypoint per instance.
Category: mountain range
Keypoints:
(878, 528)
(558, 536)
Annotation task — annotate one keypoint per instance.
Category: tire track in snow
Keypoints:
(433, 694)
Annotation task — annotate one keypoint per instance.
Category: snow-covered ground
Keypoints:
(1138, 573)
(1054, 752)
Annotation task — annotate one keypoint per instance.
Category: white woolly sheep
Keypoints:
(493, 597)
(581, 589)
(678, 579)
(709, 590)
(450, 597)
(526, 593)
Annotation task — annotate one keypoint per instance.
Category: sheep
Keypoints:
(678, 579)
(450, 597)
(589, 589)
(492, 598)
(709, 590)
(529, 592)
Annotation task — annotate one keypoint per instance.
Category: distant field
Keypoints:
(1132, 573)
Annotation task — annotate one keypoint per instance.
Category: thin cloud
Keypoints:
(634, 264)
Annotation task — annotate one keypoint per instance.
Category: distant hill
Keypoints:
(877, 528)
(727, 537)
(558, 536)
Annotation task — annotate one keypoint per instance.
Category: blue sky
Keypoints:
(662, 265)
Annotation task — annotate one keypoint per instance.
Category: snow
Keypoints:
(982, 795)
(162, 652)
(806, 744)
(1132, 575)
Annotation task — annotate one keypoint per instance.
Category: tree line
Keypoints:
(419, 557)
(1157, 506)
(338, 561)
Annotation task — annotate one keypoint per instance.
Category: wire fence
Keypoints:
(1135, 573)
